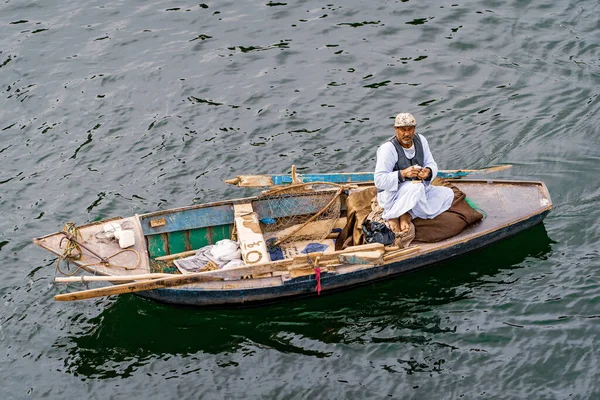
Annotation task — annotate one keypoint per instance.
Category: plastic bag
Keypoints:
(226, 250)
(376, 232)
(234, 264)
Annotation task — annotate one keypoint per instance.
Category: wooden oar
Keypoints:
(233, 273)
(344, 177)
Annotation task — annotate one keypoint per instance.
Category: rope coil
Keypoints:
(73, 251)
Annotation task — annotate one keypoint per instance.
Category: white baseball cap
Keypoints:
(405, 119)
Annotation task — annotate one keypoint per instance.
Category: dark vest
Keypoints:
(405, 162)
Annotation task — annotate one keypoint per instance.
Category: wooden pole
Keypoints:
(398, 253)
(479, 171)
(233, 273)
(344, 177)
(170, 257)
(104, 278)
(149, 284)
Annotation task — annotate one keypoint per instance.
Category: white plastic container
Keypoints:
(126, 238)
(111, 228)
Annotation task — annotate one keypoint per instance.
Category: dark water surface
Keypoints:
(120, 107)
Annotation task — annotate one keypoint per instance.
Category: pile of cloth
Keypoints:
(224, 254)
(362, 206)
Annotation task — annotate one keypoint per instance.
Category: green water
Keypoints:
(116, 108)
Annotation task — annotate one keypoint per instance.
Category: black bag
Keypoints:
(376, 232)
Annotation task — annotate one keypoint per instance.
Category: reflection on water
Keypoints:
(132, 332)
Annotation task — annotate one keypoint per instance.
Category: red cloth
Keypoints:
(318, 278)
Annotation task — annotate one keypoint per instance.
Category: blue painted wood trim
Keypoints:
(452, 175)
(335, 178)
(180, 220)
(185, 219)
(352, 177)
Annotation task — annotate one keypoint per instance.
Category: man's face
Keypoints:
(405, 134)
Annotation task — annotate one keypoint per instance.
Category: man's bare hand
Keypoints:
(410, 172)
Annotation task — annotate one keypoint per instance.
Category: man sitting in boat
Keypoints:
(403, 174)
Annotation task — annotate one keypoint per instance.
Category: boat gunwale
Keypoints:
(258, 197)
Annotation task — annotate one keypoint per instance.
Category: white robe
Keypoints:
(421, 200)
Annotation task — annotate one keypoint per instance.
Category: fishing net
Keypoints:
(303, 211)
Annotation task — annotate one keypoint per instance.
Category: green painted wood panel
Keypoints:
(156, 246)
(178, 242)
(221, 232)
(199, 238)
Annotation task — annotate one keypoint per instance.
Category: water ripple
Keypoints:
(111, 109)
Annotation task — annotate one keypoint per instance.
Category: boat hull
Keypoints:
(306, 285)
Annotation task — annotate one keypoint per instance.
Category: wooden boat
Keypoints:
(160, 237)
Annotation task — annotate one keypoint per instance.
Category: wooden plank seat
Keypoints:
(250, 237)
